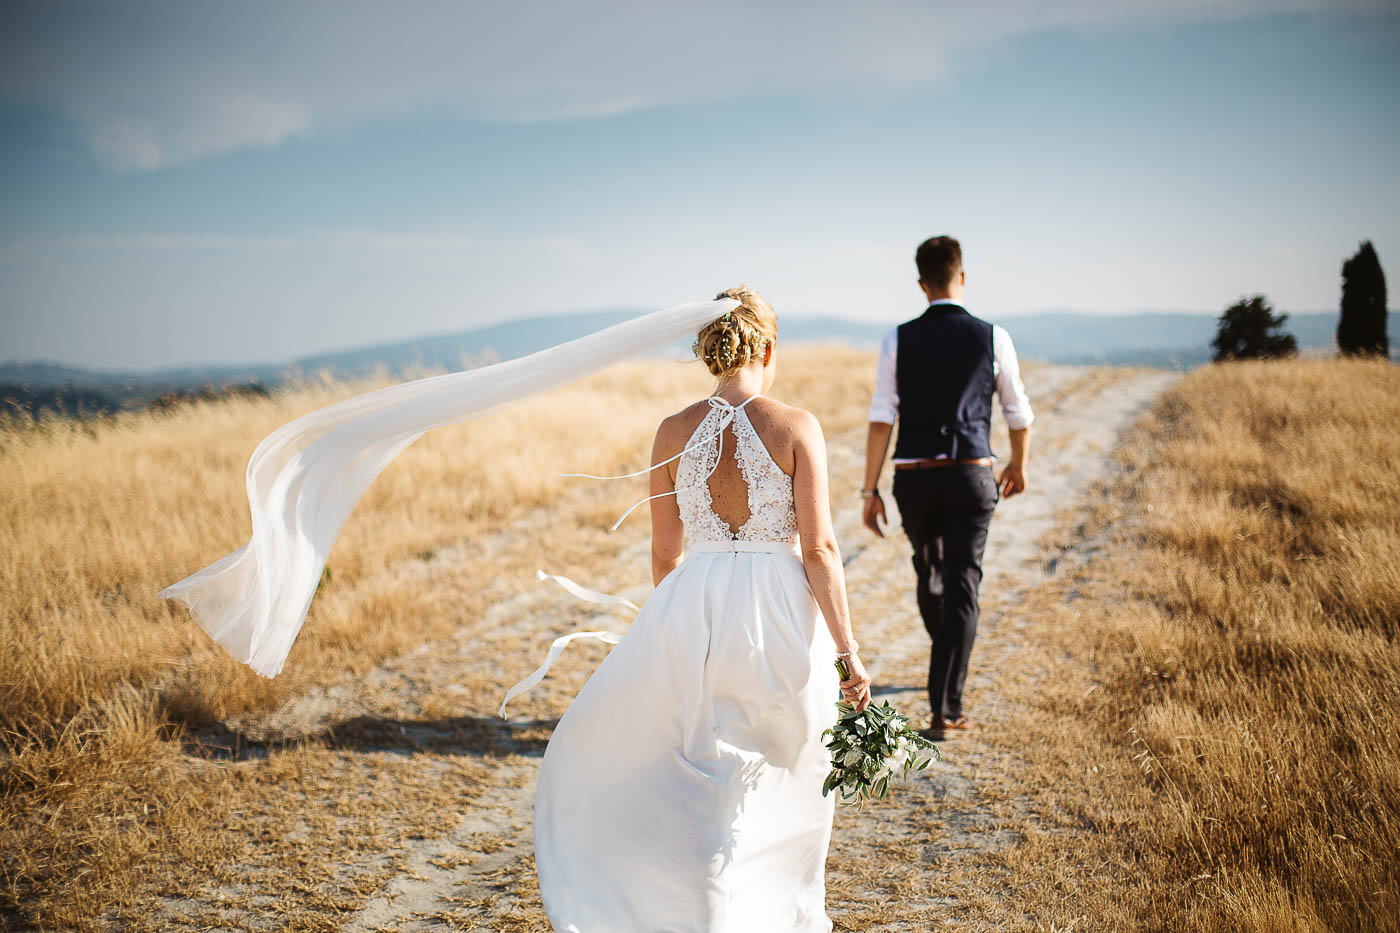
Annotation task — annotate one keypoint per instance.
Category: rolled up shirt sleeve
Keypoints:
(884, 404)
(1015, 405)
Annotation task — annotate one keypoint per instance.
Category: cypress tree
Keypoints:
(1362, 328)
(1249, 330)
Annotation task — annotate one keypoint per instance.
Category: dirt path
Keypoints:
(916, 861)
(912, 862)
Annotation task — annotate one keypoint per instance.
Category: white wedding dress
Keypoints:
(681, 790)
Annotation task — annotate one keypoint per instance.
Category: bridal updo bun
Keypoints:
(733, 339)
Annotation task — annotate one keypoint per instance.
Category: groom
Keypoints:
(937, 374)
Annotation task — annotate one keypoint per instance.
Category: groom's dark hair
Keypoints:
(939, 260)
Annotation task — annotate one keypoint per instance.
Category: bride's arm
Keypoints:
(820, 556)
(667, 532)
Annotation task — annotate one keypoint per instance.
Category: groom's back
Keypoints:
(945, 375)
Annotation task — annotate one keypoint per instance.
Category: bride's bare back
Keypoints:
(769, 446)
(729, 493)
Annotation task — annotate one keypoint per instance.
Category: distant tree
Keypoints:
(1361, 331)
(1249, 330)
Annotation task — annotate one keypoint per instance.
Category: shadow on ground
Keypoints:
(473, 736)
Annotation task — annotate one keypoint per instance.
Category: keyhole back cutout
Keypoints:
(729, 493)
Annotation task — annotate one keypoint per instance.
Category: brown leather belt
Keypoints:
(942, 462)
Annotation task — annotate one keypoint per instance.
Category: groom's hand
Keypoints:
(873, 513)
(1012, 481)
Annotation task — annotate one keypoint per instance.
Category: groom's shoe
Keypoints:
(947, 728)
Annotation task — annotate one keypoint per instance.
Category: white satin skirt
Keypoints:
(681, 791)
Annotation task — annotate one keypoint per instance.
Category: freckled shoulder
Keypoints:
(789, 414)
(675, 430)
(783, 427)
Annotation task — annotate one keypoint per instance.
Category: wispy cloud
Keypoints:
(445, 245)
(153, 84)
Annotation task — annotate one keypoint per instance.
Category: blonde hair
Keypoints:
(735, 338)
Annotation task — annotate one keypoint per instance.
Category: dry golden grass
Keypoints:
(1208, 738)
(1225, 716)
(100, 802)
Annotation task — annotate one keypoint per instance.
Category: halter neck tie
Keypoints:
(729, 410)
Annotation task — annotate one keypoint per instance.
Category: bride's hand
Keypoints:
(855, 689)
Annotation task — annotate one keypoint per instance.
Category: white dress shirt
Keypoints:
(1015, 406)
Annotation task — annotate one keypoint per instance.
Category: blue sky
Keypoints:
(189, 183)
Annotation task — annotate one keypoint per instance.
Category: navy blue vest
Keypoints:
(945, 377)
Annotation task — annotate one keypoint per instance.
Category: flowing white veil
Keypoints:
(305, 477)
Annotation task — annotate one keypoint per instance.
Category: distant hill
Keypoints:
(1171, 339)
(1155, 338)
(1175, 339)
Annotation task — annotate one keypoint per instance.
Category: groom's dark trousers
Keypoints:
(946, 512)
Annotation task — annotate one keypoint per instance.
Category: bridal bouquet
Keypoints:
(870, 746)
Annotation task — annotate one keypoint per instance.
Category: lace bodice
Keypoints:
(771, 513)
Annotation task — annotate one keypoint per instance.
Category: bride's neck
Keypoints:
(740, 384)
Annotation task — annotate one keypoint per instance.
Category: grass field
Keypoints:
(1217, 746)
(1224, 731)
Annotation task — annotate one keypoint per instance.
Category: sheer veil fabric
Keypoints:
(305, 477)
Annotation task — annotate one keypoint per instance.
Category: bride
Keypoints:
(681, 790)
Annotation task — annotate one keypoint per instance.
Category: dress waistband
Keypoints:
(771, 547)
